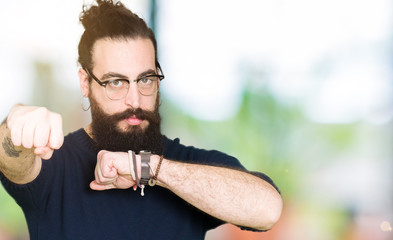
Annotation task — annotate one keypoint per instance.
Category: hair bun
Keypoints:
(92, 16)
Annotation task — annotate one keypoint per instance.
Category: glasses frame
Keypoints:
(104, 84)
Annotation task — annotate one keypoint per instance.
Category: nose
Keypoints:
(132, 98)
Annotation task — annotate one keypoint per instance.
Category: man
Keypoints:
(78, 187)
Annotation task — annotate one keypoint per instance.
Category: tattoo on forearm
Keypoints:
(9, 148)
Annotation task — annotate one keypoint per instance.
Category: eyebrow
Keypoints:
(108, 75)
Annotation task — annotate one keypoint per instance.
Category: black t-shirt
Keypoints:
(59, 203)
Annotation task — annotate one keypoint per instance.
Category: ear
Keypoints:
(84, 82)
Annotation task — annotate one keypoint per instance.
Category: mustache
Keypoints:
(152, 116)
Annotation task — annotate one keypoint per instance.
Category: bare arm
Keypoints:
(233, 196)
(27, 135)
(16, 163)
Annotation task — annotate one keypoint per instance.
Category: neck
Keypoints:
(89, 131)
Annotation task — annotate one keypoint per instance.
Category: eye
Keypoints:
(146, 80)
(117, 83)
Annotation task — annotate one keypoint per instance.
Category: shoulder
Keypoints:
(174, 150)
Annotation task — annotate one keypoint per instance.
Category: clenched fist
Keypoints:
(113, 171)
(36, 127)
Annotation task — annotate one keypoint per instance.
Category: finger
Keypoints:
(121, 163)
(95, 186)
(106, 166)
(47, 155)
(41, 135)
(108, 170)
(105, 178)
(56, 138)
(100, 187)
(97, 170)
(10, 119)
(28, 134)
(44, 152)
(16, 133)
(99, 178)
(39, 150)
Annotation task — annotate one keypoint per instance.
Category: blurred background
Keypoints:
(300, 90)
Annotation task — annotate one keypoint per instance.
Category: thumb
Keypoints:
(99, 187)
(44, 152)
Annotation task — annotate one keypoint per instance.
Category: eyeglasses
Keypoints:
(117, 89)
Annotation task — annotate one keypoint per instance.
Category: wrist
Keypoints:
(154, 160)
(156, 177)
(147, 168)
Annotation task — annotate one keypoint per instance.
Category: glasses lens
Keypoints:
(148, 85)
(117, 89)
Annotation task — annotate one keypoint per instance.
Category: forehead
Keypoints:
(127, 56)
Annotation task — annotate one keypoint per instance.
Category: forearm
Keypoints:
(16, 163)
(233, 196)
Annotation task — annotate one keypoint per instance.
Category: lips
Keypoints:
(133, 120)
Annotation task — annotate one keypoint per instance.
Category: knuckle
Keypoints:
(42, 110)
(40, 113)
(100, 154)
(106, 155)
(15, 123)
(56, 117)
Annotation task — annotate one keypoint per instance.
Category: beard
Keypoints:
(108, 135)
